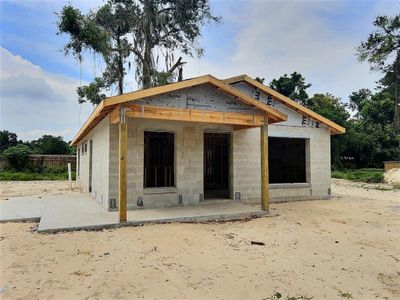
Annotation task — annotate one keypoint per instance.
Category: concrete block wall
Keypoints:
(244, 167)
(246, 164)
(188, 162)
(246, 156)
(318, 164)
(100, 137)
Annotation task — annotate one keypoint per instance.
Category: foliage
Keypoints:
(382, 51)
(49, 144)
(93, 91)
(169, 26)
(293, 87)
(17, 156)
(330, 107)
(370, 138)
(122, 31)
(363, 175)
(7, 139)
(55, 173)
(371, 135)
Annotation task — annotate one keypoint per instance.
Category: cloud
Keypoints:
(317, 39)
(36, 133)
(23, 86)
(35, 102)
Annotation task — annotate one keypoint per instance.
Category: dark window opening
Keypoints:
(78, 160)
(158, 159)
(216, 165)
(287, 160)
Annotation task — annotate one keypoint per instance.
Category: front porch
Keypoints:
(78, 211)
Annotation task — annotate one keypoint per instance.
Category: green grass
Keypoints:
(361, 175)
(41, 174)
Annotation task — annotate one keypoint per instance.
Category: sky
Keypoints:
(258, 38)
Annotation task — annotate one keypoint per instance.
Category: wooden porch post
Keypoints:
(122, 182)
(264, 167)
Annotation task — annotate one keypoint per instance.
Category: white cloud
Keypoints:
(277, 37)
(35, 102)
(36, 133)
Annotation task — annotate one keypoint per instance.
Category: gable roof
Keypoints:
(334, 128)
(108, 104)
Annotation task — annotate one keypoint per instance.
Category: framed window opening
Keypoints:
(159, 159)
(288, 160)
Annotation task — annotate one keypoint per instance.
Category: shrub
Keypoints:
(363, 175)
(17, 156)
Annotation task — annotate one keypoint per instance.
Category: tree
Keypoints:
(104, 32)
(382, 51)
(121, 28)
(168, 26)
(7, 139)
(334, 109)
(371, 132)
(49, 144)
(293, 87)
(17, 156)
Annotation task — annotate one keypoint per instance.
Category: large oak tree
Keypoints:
(140, 32)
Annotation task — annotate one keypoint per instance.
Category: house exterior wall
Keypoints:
(100, 137)
(318, 160)
(245, 173)
(189, 176)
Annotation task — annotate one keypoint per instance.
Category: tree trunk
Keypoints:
(147, 66)
(120, 68)
(397, 94)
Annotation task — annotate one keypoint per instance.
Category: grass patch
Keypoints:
(361, 175)
(38, 174)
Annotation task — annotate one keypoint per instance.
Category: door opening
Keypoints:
(216, 165)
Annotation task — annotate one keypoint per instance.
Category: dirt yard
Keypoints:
(348, 247)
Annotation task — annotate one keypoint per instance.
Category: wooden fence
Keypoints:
(51, 161)
(391, 165)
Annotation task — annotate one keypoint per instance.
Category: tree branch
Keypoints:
(178, 63)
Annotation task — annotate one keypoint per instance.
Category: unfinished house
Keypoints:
(201, 139)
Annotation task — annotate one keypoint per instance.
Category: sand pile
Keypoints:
(392, 176)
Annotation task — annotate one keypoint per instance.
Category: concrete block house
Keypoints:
(201, 139)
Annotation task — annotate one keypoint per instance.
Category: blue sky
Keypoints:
(259, 38)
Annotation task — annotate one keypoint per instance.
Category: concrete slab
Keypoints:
(80, 212)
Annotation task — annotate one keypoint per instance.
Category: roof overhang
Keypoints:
(333, 127)
(111, 103)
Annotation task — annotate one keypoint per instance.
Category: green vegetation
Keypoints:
(17, 156)
(47, 144)
(371, 118)
(134, 34)
(56, 173)
(362, 175)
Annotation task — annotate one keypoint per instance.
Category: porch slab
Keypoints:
(80, 212)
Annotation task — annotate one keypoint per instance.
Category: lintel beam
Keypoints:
(194, 115)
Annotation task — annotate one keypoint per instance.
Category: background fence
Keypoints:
(51, 161)
(40, 161)
(391, 165)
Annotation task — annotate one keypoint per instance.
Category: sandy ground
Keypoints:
(37, 187)
(349, 245)
(393, 176)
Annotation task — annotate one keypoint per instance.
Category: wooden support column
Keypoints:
(264, 167)
(122, 182)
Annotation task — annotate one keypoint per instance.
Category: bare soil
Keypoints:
(346, 246)
(36, 187)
